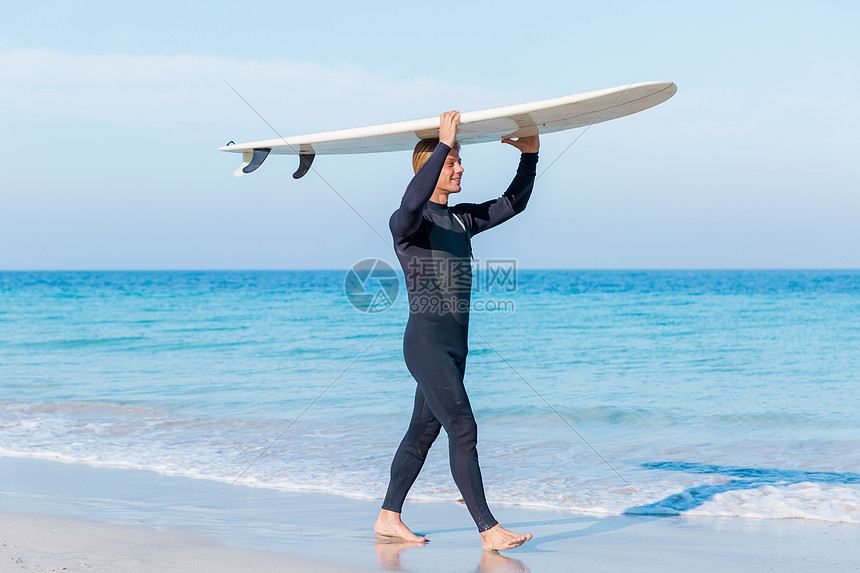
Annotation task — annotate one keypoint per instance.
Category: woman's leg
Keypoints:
(409, 458)
(446, 397)
(439, 373)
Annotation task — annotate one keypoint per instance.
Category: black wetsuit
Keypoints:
(433, 245)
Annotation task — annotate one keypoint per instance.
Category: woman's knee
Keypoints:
(465, 433)
(426, 434)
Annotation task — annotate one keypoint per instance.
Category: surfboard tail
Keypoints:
(253, 158)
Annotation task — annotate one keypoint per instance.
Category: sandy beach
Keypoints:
(43, 543)
(74, 516)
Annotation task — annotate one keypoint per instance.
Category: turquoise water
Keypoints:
(708, 392)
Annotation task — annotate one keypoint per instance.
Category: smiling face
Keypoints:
(452, 173)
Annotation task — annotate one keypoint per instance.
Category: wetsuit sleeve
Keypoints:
(482, 216)
(407, 218)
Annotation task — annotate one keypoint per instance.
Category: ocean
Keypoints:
(717, 393)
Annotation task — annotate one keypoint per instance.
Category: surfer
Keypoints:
(433, 245)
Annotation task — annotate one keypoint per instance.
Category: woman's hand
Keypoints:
(448, 127)
(529, 144)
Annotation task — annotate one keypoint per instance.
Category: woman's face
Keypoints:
(452, 172)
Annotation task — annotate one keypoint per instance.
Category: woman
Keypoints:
(433, 245)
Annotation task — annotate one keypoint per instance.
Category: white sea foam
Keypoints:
(352, 460)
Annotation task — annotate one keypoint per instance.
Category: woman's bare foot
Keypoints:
(497, 538)
(389, 524)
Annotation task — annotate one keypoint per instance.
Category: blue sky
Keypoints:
(112, 115)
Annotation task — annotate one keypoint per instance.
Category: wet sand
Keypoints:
(105, 519)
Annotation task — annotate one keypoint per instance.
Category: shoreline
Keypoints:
(56, 514)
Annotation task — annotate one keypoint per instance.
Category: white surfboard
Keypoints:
(545, 116)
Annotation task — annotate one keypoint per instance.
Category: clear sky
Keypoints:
(111, 116)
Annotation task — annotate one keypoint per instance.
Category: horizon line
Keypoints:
(578, 269)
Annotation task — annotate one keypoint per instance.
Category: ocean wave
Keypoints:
(351, 459)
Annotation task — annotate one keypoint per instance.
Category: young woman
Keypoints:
(433, 245)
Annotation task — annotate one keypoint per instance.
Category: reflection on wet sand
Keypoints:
(388, 557)
(388, 553)
(495, 562)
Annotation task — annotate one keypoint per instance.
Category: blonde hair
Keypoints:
(423, 151)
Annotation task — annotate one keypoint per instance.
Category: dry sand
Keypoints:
(40, 543)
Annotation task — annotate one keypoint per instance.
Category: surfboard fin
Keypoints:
(305, 160)
(251, 160)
